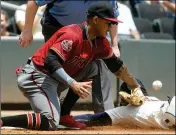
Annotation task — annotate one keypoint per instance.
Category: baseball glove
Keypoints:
(136, 98)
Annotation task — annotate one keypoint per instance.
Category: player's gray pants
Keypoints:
(101, 89)
(41, 90)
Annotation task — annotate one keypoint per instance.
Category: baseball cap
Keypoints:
(103, 10)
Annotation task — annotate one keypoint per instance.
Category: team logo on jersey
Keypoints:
(67, 45)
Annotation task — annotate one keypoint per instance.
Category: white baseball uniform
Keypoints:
(150, 114)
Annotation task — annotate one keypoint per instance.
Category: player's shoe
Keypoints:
(69, 122)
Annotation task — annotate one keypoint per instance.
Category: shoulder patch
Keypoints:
(67, 45)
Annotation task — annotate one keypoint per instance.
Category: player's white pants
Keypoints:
(147, 115)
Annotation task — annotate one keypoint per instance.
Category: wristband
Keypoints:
(62, 76)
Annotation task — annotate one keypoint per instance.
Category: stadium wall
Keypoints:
(148, 60)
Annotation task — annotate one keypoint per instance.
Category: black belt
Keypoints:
(38, 68)
(28, 61)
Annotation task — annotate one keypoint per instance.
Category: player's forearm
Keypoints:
(31, 11)
(126, 76)
(117, 67)
(62, 76)
(114, 35)
(135, 34)
(114, 40)
(52, 63)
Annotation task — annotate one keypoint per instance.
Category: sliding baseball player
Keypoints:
(153, 113)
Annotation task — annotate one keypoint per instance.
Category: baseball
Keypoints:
(157, 85)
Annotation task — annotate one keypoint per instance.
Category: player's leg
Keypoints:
(41, 91)
(98, 119)
(101, 89)
(122, 113)
(109, 117)
(89, 72)
(30, 121)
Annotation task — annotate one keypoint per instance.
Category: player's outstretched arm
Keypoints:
(26, 36)
(117, 67)
(114, 40)
(120, 70)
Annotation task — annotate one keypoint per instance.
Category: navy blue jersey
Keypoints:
(71, 12)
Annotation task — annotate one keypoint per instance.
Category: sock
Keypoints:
(99, 119)
(69, 102)
(83, 118)
(30, 121)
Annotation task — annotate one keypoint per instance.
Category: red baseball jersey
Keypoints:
(70, 43)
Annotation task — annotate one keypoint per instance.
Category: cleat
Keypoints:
(68, 122)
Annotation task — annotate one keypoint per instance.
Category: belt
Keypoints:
(29, 62)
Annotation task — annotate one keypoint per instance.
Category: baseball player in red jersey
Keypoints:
(67, 60)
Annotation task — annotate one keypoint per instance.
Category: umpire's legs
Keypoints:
(101, 89)
(89, 72)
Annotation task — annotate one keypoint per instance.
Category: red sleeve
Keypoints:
(104, 49)
(64, 45)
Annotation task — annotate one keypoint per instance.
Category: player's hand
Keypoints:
(25, 38)
(136, 98)
(81, 88)
(116, 51)
(137, 91)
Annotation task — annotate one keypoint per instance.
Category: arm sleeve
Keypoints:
(113, 63)
(52, 62)
(53, 65)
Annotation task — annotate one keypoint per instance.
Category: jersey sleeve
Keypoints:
(64, 45)
(105, 50)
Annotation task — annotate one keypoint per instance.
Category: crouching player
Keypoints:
(153, 113)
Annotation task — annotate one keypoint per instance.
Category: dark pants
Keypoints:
(48, 30)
